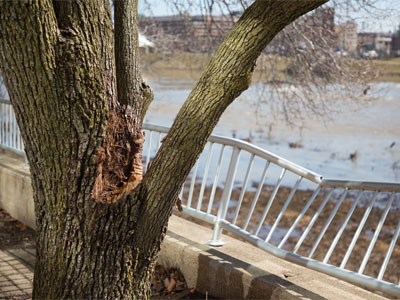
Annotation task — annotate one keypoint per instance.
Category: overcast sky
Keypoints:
(385, 18)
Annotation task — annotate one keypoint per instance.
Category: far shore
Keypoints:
(191, 65)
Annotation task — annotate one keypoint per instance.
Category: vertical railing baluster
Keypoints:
(205, 175)
(158, 141)
(257, 195)
(376, 234)
(271, 199)
(18, 139)
(328, 222)
(281, 213)
(5, 125)
(216, 178)
(344, 224)
(310, 201)
(148, 150)
(9, 127)
(14, 129)
(21, 144)
(246, 180)
(1, 122)
(311, 224)
(359, 229)
(192, 183)
(226, 195)
(389, 252)
(181, 192)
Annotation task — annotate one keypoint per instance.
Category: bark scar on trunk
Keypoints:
(119, 160)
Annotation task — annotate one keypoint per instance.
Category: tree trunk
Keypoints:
(99, 226)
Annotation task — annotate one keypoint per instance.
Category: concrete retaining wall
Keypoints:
(15, 188)
(235, 271)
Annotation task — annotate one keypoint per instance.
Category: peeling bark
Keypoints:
(119, 160)
(99, 230)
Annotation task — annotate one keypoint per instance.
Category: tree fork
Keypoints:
(119, 160)
(226, 77)
(57, 59)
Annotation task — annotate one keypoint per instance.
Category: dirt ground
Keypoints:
(166, 283)
(14, 234)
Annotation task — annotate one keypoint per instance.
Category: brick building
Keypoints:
(347, 39)
(205, 33)
(396, 43)
(190, 33)
(379, 42)
(312, 28)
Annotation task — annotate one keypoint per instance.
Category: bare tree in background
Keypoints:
(300, 74)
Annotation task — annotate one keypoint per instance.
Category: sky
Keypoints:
(383, 17)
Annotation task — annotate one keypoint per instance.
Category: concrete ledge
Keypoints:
(15, 188)
(235, 271)
(239, 270)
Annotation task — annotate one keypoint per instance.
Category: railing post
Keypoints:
(26, 167)
(226, 195)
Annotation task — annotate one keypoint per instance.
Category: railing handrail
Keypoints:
(5, 101)
(295, 168)
(362, 185)
(299, 170)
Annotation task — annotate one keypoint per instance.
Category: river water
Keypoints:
(368, 132)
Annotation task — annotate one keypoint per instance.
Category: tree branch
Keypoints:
(28, 39)
(226, 77)
(131, 88)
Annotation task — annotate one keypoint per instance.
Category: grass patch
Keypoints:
(389, 69)
(271, 67)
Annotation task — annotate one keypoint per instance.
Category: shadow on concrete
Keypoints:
(227, 277)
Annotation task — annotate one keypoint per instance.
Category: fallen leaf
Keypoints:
(166, 282)
(171, 285)
(21, 226)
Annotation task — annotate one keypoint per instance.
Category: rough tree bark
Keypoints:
(99, 225)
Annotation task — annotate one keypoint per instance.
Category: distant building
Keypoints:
(190, 33)
(214, 26)
(396, 43)
(366, 41)
(316, 28)
(347, 37)
(383, 43)
(320, 23)
(379, 42)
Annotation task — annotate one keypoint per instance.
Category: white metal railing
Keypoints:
(347, 229)
(10, 137)
(338, 229)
